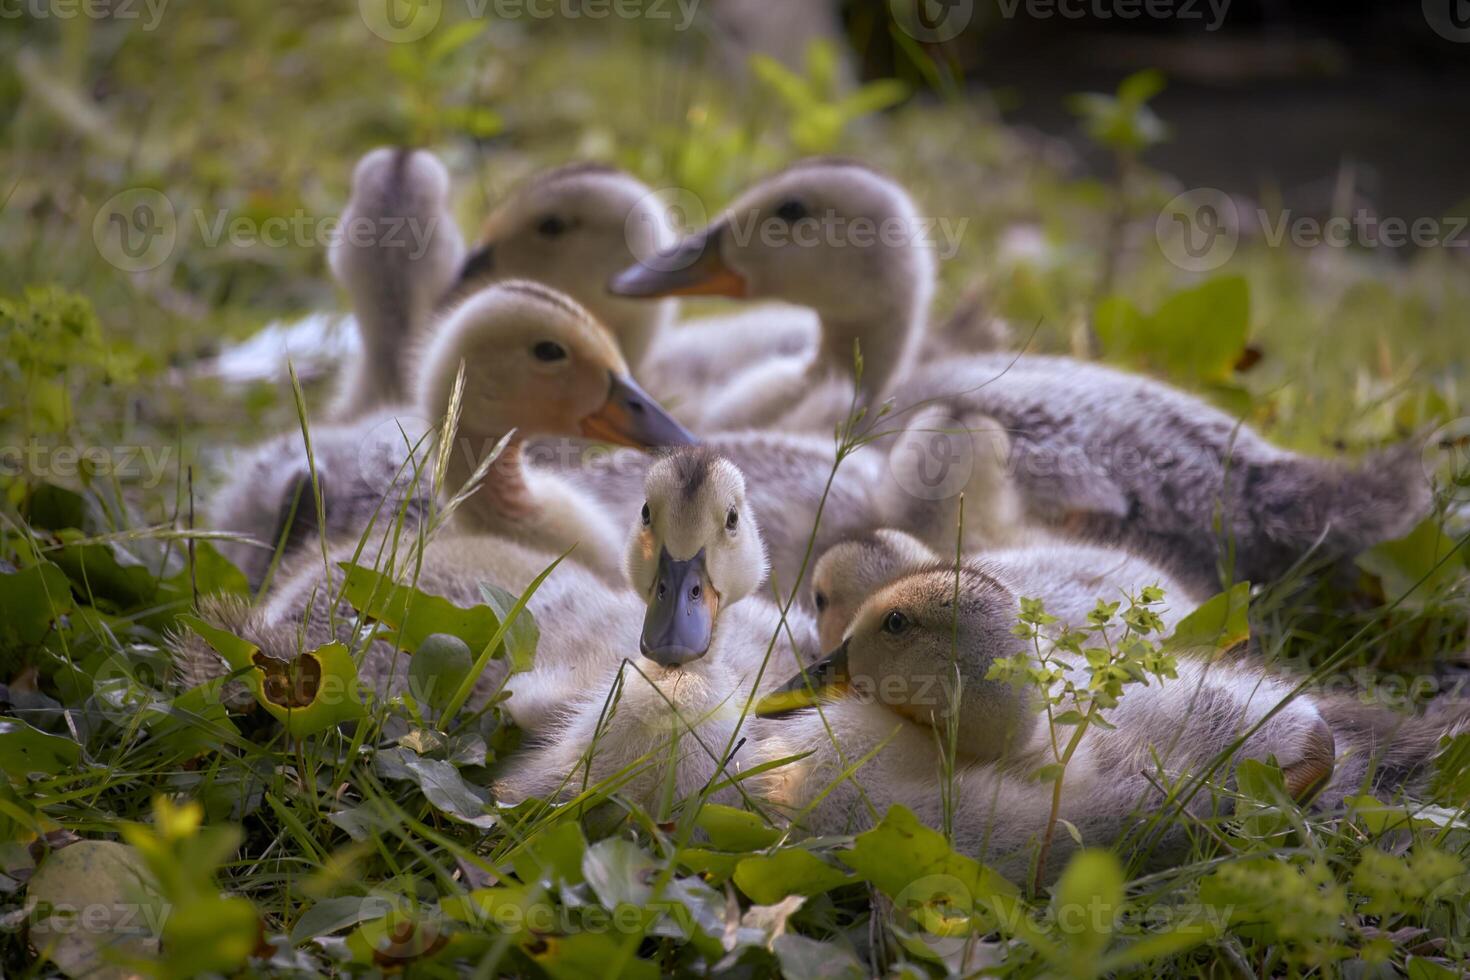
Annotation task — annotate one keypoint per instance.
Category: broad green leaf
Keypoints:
(1218, 624)
(620, 872)
(521, 636)
(587, 956)
(731, 829)
(445, 789)
(24, 750)
(1425, 553)
(1087, 900)
(335, 914)
(32, 600)
(1204, 329)
(555, 853)
(806, 959)
(768, 878)
(316, 691)
(900, 854)
(412, 615)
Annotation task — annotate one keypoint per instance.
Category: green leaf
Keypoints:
(1088, 899)
(335, 914)
(32, 600)
(1218, 624)
(731, 829)
(521, 636)
(620, 872)
(1196, 336)
(24, 750)
(411, 615)
(1451, 782)
(901, 855)
(768, 878)
(806, 959)
(316, 691)
(586, 956)
(445, 789)
(452, 38)
(555, 854)
(1419, 555)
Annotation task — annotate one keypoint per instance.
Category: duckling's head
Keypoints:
(695, 548)
(832, 235)
(850, 571)
(572, 229)
(537, 362)
(921, 646)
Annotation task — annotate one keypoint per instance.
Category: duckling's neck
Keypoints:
(636, 324)
(504, 500)
(889, 331)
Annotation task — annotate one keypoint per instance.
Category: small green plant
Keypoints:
(819, 112)
(1075, 700)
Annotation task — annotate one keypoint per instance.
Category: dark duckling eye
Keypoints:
(647, 516)
(549, 352)
(895, 623)
(821, 601)
(732, 520)
(552, 226)
(791, 211)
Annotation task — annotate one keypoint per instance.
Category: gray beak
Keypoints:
(694, 267)
(826, 677)
(680, 621)
(630, 417)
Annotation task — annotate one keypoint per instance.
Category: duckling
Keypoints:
(1124, 458)
(399, 253)
(1094, 449)
(696, 558)
(1073, 576)
(917, 657)
(536, 363)
(832, 235)
(573, 228)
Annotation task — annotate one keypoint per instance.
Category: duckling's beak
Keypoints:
(694, 267)
(630, 417)
(827, 677)
(477, 265)
(681, 611)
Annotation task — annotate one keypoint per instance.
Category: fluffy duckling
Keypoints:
(1124, 458)
(536, 364)
(695, 557)
(831, 235)
(399, 253)
(574, 228)
(1118, 456)
(1074, 576)
(916, 658)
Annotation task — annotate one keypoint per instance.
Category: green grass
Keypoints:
(332, 842)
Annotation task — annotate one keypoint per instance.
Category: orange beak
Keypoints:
(630, 417)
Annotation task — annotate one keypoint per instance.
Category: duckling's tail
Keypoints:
(1382, 751)
(1339, 509)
